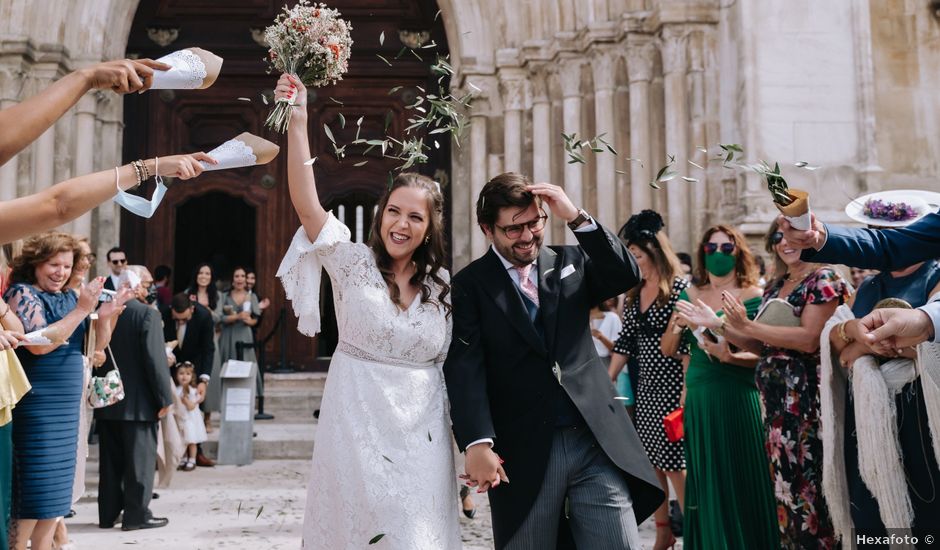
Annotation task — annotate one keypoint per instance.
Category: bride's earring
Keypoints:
(427, 239)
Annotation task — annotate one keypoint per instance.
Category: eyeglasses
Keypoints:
(776, 237)
(119, 261)
(515, 231)
(726, 248)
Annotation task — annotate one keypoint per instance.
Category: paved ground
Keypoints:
(237, 507)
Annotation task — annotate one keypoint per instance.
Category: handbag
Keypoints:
(106, 390)
(672, 423)
(778, 313)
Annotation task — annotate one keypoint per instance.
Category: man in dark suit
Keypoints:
(117, 261)
(524, 379)
(889, 328)
(190, 325)
(127, 430)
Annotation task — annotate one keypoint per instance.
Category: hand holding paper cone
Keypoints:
(191, 69)
(243, 150)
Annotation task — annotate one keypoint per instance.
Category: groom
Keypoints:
(531, 403)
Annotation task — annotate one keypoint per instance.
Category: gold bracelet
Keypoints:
(842, 335)
(143, 166)
(720, 331)
(137, 172)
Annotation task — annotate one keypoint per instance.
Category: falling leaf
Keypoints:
(329, 134)
(388, 459)
(393, 90)
(310, 162)
(701, 148)
(342, 120)
(621, 172)
(334, 100)
(436, 15)
(474, 86)
(429, 437)
(690, 180)
(261, 509)
(654, 186)
(244, 99)
(239, 509)
(376, 538)
(361, 163)
(264, 99)
(383, 59)
(359, 122)
(382, 39)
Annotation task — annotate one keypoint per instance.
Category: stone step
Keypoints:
(275, 440)
(294, 381)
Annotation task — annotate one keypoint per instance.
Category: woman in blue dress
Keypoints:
(45, 421)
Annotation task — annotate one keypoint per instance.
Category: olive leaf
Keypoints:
(376, 538)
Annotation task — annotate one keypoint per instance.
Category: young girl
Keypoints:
(194, 431)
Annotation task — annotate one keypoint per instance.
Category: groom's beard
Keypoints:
(516, 252)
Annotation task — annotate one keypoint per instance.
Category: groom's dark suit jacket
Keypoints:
(500, 377)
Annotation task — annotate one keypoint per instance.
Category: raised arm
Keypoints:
(35, 115)
(300, 181)
(69, 199)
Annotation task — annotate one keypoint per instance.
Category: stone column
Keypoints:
(541, 136)
(84, 157)
(640, 72)
(569, 76)
(603, 63)
(478, 173)
(675, 62)
(512, 89)
(9, 79)
(107, 220)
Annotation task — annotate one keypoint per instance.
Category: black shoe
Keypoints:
(155, 496)
(105, 526)
(151, 523)
(71, 514)
(464, 493)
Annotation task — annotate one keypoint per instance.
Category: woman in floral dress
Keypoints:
(788, 379)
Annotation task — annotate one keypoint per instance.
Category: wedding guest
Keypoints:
(646, 312)
(251, 279)
(27, 120)
(127, 430)
(161, 280)
(202, 290)
(117, 262)
(45, 421)
(13, 386)
(859, 275)
(238, 309)
(605, 328)
(788, 379)
(69, 199)
(728, 494)
(912, 456)
(685, 262)
(194, 431)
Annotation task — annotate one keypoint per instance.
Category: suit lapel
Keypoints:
(500, 286)
(549, 264)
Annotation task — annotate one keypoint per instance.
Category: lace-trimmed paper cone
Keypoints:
(243, 150)
(193, 69)
(797, 212)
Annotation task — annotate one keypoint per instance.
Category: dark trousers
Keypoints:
(6, 480)
(127, 464)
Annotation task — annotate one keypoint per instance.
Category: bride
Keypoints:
(383, 464)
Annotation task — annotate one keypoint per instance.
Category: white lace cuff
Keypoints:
(301, 268)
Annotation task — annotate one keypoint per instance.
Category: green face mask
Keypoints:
(719, 264)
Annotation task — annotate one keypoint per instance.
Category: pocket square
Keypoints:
(568, 270)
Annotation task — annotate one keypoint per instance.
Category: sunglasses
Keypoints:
(776, 237)
(119, 262)
(711, 248)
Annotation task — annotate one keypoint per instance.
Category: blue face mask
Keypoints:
(139, 205)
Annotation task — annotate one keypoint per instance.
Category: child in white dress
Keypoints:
(193, 428)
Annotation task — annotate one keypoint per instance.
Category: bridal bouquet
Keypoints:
(311, 42)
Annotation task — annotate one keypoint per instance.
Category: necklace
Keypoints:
(790, 279)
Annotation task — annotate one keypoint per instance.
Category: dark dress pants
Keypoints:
(127, 464)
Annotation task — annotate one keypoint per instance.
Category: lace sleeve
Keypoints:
(301, 268)
(27, 306)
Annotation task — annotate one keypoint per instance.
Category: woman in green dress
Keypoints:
(729, 499)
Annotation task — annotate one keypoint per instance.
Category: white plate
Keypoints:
(923, 202)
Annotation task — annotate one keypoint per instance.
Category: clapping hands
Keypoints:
(735, 312)
(698, 314)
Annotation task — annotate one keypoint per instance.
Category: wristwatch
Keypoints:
(582, 217)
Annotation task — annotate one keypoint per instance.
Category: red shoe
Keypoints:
(670, 542)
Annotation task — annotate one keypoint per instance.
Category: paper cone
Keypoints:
(797, 212)
(193, 69)
(243, 150)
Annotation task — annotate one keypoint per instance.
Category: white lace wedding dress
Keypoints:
(382, 462)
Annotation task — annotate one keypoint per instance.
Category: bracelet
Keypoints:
(720, 330)
(140, 176)
(842, 335)
(143, 167)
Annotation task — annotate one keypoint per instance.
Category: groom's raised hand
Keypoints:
(484, 468)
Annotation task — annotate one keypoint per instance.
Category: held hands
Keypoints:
(289, 88)
(556, 199)
(123, 75)
(263, 304)
(484, 468)
(887, 330)
(813, 238)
